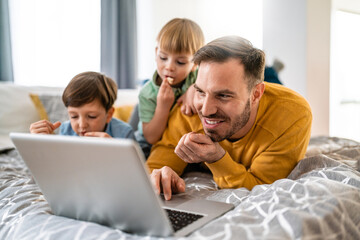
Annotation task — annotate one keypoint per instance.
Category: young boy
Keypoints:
(89, 99)
(177, 42)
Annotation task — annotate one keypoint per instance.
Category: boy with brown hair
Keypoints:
(89, 99)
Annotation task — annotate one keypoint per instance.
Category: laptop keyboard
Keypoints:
(180, 219)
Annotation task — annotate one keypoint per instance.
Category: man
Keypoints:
(247, 132)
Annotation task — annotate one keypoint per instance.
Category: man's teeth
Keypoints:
(211, 122)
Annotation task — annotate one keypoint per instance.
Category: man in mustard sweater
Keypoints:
(247, 132)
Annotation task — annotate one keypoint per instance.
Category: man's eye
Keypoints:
(224, 96)
(199, 92)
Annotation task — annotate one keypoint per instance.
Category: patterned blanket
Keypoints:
(320, 199)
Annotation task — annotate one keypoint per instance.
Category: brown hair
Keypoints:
(234, 47)
(181, 35)
(88, 86)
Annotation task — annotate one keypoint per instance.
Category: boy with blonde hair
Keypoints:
(177, 42)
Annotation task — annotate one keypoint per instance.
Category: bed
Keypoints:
(320, 199)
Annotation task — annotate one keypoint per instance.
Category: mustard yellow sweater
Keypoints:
(269, 151)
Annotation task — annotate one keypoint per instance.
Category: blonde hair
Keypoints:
(89, 86)
(181, 35)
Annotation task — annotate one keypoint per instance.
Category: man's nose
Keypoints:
(208, 107)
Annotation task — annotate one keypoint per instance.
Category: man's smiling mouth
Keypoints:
(211, 122)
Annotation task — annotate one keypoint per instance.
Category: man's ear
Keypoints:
(258, 91)
(109, 113)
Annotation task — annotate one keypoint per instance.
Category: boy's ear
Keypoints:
(156, 49)
(109, 113)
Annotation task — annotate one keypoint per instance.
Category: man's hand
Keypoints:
(97, 134)
(168, 181)
(197, 147)
(44, 127)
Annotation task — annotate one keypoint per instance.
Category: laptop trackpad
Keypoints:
(176, 200)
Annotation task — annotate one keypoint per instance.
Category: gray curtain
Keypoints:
(6, 69)
(118, 41)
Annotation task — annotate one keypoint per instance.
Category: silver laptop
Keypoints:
(106, 181)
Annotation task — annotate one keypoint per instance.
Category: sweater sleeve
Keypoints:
(274, 162)
(162, 153)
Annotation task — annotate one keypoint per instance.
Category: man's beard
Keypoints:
(239, 122)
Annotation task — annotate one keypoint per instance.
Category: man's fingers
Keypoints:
(155, 180)
(181, 154)
(190, 111)
(166, 184)
(184, 150)
(183, 109)
(178, 184)
(193, 110)
(200, 138)
(180, 100)
(168, 181)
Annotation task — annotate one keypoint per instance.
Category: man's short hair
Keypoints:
(181, 35)
(234, 47)
(89, 86)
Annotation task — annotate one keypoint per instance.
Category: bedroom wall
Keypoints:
(217, 18)
(298, 33)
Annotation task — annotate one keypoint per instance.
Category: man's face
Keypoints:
(222, 100)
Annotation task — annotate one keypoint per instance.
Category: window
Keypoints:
(53, 40)
(345, 81)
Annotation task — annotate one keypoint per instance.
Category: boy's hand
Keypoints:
(97, 134)
(187, 101)
(44, 127)
(165, 97)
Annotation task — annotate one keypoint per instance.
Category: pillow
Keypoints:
(123, 112)
(50, 107)
(16, 109)
(16, 112)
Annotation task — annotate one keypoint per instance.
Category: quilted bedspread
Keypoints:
(320, 199)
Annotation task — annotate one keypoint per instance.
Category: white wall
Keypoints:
(318, 63)
(298, 33)
(285, 39)
(216, 18)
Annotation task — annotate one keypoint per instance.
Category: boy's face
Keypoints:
(173, 65)
(90, 117)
